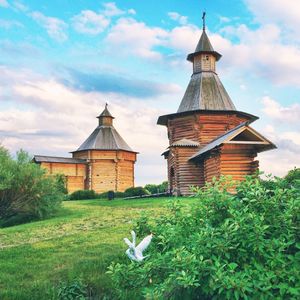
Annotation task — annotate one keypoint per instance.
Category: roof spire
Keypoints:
(203, 19)
(105, 118)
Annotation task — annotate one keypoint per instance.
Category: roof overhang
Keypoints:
(234, 136)
(191, 56)
(116, 150)
(163, 120)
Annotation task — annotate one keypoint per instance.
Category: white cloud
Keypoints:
(90, 22)
(7, 24)
(20, 6)
(4, 3)
(131, 36)
(279, 161)
(111, 10)
(131, 11)
(55, 27)
(288, 114)
(283, 12)
(183, 20)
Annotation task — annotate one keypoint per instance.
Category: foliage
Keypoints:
(136, 191)
(83, 195)
(25, 192)
(157, 188)
(75, 290)
(293, 178)
(243, 246)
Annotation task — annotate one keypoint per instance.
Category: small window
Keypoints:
(206, 57)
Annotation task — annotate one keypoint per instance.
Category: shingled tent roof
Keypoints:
(205, 91)
(104, 137)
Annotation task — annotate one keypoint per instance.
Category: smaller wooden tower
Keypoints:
(110, 160)
(208, 136)
(104, 162)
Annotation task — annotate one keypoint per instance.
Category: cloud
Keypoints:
(4, 3)
(55, 27)
(8, 24)
(273, 109)
(105, 82)
(261, 52)
(286, 13)
(20, 6)
(183, 20)
(90, 22)
(129, 36)
(111, 10)
(285, 157)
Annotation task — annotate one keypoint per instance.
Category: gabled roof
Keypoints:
(104, 138)
(204, 46)
(205, 91)
(237, 136)
(185, 143)
(55, 159)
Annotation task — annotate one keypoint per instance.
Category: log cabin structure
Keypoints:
(208, 136)
(104, 162)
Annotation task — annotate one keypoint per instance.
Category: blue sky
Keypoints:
(60, 61)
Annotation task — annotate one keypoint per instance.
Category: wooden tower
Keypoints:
(104, 162)
(208, 137)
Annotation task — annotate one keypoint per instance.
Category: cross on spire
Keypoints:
(203, 19)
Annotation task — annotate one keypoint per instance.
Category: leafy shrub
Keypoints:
(157, 188)
(243, 246)
(83, 195)
(74, 290)
(293, 178)
(136, 191)
(119, 194)
(25, 192)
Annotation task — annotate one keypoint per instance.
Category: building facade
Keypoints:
(208, 136)
(104, 161)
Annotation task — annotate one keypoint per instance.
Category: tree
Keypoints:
(26, 193)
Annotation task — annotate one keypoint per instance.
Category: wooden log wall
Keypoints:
(75, 174)
(202, 128)
(212, 166)
(189, 174)
(109, 169)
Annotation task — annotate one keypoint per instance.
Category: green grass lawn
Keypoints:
(79, 243)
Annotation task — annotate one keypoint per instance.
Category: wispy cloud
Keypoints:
(90, 22)
(183, 20)
(105, 82)
(288, 114)
(55, 27)
(4, 3)
(8, 24)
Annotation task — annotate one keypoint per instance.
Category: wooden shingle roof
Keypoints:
(55, 159)
(205, 91)
(104, 138)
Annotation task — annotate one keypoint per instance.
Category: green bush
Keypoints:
(157, 188)
(25, 192)
(83, 195)
(136, 191)
(75, 290)
(243, 246)
(293, 178)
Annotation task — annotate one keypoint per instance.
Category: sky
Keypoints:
(62, 60)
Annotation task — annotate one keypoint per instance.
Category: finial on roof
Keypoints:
(106, 105)
(203, 19)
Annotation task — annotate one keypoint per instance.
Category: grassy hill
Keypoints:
(79, 243)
